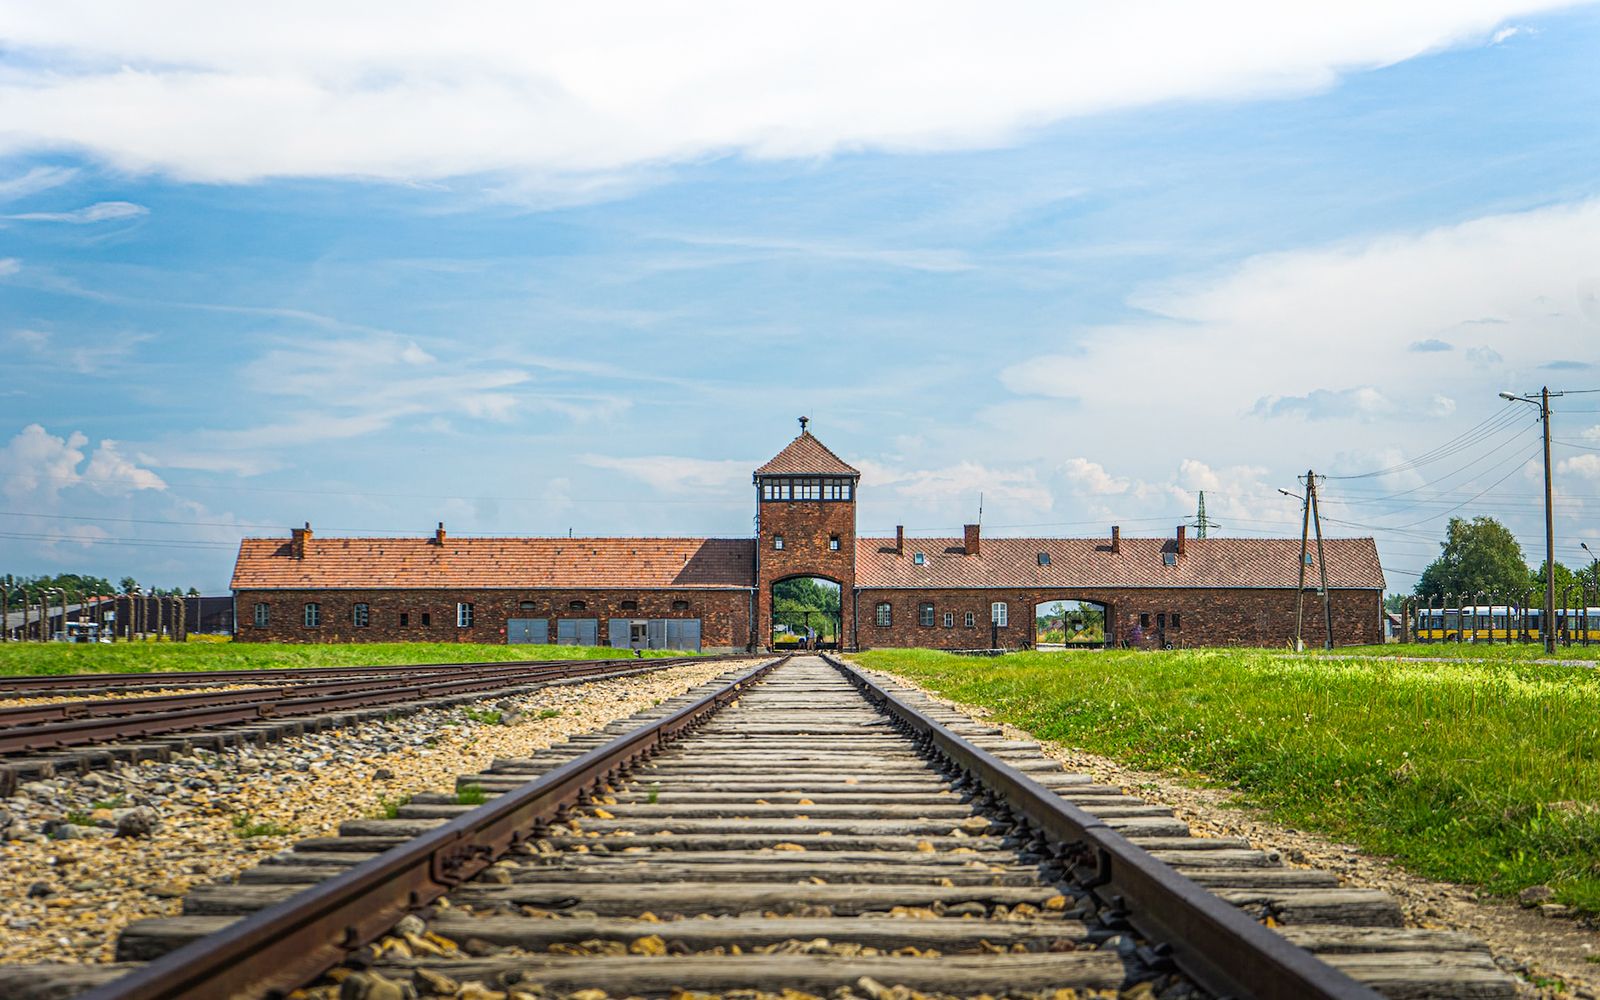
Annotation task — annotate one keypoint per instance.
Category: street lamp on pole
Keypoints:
(1547, 629)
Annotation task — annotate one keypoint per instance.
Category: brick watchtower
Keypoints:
(806, 525)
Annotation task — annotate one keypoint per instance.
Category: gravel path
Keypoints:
(55, 699)
(1555, 956)
(70, 882)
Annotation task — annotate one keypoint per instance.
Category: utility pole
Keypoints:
(1547, 629)
(1322, 562)
(1201, 522)
(1305, 538)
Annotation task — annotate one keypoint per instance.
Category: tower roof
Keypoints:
(806, 456)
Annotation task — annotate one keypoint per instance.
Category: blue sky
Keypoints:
(533, 276)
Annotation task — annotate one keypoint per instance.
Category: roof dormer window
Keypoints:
(1044, 559)
(919, 559)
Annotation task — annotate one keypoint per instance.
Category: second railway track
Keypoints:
(802, 826)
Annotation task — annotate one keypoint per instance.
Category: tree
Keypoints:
(1564, 579)
(800, 601)
(193, 592)
(127, 584)
(1395, 603)
(1480, 554)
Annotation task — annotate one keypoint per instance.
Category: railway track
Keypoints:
(96, 732)
(798, 826)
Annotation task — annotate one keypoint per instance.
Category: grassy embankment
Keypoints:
(1471, 651)
(1485, 773)
(134, 657)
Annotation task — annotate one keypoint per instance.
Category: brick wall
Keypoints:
(724, 614)
(806, 526)
(1223, 617)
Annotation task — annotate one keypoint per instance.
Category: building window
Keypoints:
(263, 616)
(833, 543)
(884, 616)
(463, 615)
(1044, 559)
(1174, 619)
(630, 605)
(577, 606)
(680, 605)
(1169, 559)
(1308, 559)
(972, 619)
(1144, 620)
(997, 613)
(925, 615)
(405, 618)
(777, 541)
(808, 489)
(313, 616)
(427, 619)
(919, 559)
(526, 606)
(360, 616)
(949, 619)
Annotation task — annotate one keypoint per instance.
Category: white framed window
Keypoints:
(777, 541)
(360, 616)
(972, 620)
(997, 613)
(313, 615)
(833, 543)
(925, 615)
(463, 615)
(920, 559)
(949, 619)
(263, 616)
(884, 615)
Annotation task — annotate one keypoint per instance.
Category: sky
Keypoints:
(577, 268)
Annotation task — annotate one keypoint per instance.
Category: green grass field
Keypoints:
(133, 657)
(1485, 773)
(1471, 650)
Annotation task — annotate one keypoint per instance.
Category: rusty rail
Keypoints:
(114, 721)
(284, 946)
(1211, 941)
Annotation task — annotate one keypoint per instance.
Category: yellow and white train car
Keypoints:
(1502, 623)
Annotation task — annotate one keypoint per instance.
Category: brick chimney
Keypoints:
(438, 535)
(1116, 540)
(1182, 533)
(297, 540)
(970, 532)
(899, 539)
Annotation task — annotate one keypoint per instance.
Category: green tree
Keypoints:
(126, 584)
(801, 600)
(1564, 579)
(1480, 554)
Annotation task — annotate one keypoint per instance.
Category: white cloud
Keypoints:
(673, 474)
(963, 481)
(1091, 477)
(1587, 466)
(36, 463)
(9, 265)
(36, 179)
(582, 91)
(1510, 31)
(103, 211)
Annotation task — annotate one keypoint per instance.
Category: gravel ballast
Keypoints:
(84, 856)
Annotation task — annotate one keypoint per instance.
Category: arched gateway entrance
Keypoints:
(807, 613)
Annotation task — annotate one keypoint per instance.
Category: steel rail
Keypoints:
(1208, 939)
(61, 711)
(282, 947)
(81, 732)
(21, 685)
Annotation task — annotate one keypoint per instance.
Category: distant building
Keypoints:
(716, 593)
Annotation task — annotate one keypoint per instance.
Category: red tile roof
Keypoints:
(568, 563)
(806, 456)
(1089, 562)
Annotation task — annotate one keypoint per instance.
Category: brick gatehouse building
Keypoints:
(716, 593)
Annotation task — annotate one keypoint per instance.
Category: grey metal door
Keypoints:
(529, 630)
(656, 634)
(617, 632)
(577, 631)
(682, 633)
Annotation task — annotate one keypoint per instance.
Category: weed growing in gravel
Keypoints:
(244, 826)
(470, 795)
(115, 802)
(549, 713)
(653, 795)
(79, 818)
(390, 808)
(1486, 773)
(484, 716)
